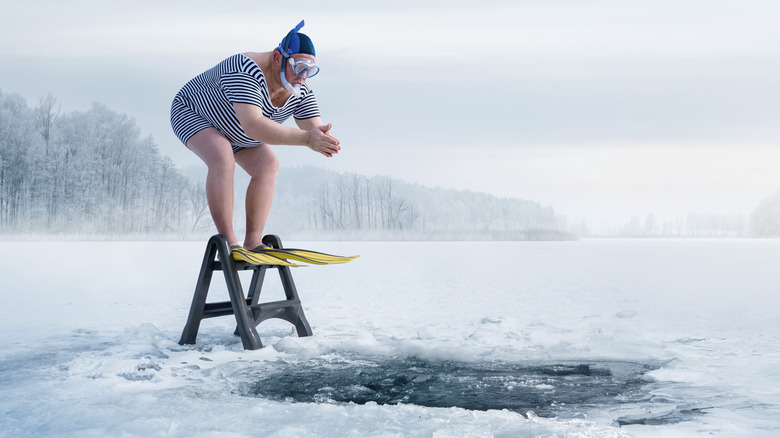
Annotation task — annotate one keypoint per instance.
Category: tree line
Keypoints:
(763, 221)
(86, 172)
(692, 225)
(314, 199)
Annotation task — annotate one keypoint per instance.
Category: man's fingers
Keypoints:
(323, 142)
(330, 139)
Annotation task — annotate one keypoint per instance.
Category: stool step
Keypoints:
(222, 308)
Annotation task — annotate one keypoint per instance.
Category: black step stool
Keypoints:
(248, 312)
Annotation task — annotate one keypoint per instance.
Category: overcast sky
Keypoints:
(602, 109)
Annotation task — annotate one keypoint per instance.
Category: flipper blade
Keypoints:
(308, 256)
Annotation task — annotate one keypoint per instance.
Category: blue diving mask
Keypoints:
(304, 67)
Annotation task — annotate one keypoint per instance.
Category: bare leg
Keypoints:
(214, 149)
(263, 166)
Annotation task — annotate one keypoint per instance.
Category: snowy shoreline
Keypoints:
(324, 238)
(90, 333)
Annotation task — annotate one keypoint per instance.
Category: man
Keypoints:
(233, 113)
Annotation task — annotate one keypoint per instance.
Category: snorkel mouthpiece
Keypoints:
(294, 89)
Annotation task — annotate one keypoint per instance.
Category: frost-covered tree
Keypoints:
(86, 172)
(46, 115)
(765, 219)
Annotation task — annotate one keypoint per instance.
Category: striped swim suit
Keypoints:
(207, 101)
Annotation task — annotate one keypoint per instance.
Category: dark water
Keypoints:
(561, 389)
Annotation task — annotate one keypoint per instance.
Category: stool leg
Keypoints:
(244, 319)
(253, 296)
(298, 318)
(190, 332)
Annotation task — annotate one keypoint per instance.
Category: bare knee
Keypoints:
(260, 162)
(222, 166)
(271, 165)
(214, 149)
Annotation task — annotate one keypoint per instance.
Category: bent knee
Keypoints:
(221, 162)
(271, 164)
(269, 169)
(268, 162)
(214, 149)
(222, 166)
(259, 163)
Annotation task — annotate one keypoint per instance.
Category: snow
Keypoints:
(89, 338)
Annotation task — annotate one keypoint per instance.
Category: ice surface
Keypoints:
(689, 328)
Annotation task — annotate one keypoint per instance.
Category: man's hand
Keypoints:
(320, 140)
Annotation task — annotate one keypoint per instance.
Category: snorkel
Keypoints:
(291, 44)
(294, 89)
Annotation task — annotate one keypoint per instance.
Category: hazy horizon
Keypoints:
(602, 111)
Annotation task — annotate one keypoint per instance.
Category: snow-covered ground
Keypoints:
(643, 338)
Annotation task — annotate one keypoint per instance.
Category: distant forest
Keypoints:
(85, 172)
(327, 203)
(93, 173)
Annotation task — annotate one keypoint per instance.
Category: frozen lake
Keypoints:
(645, 338)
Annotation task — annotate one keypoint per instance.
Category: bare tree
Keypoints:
(196, 194)
(46, 115)
(357, 200)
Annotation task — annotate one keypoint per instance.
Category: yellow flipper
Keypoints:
(307, 256)
(244, 255)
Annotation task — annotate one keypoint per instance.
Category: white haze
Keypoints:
(603, 110)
